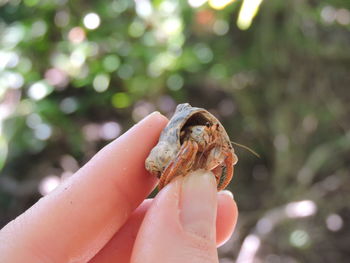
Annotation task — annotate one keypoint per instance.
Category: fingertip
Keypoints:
(154, 119)
(227, 193)
(165, 233)
(227, 214)
(158, 116)
(198, 203)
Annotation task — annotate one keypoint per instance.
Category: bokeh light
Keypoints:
(299, 238)
(125, 71)
(203, 53)
(101, 82)
(13, 34)
(12, 80)
(328, 14)
(31, 3)
(248, 11)
(249, 248)
(175, 82)
(39, 90)
(8, 59)
(143, 8)
(219, 4)
(111, 63)
(42, 131)
(141, 110)
(205, 19)
(69, 163)
(91, 21)
(56, 77)
(196, 3)
(264, 226)
(334, 222)
(343, 16)
(166, 104)
(310, 123)
(76, 35)
(110, 130)
(77, 58)
(136, 29)
(48, 184)
(226, 107)
(301, 208)
(38, 29)
(281, 142)
(69, 105)
(62, 18)
(33, 120)
(91, 131)
(221, 27)
(121, 100)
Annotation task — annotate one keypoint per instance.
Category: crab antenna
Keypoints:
(247, 148)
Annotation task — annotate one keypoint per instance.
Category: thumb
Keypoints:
(181, 224)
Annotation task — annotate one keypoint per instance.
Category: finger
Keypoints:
(185, 216)
(76, 220)
(226, 218)
(119, 248)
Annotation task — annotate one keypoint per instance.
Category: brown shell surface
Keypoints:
(169, 141)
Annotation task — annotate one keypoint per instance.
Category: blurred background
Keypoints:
(74, 75)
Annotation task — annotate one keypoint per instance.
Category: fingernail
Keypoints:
(198, 203)
(155, 114)
(228, 193)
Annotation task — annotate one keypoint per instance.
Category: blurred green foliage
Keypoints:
(75, 74)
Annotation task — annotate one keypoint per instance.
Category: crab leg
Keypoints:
(183, 162)
(217, 171)
(229, 163)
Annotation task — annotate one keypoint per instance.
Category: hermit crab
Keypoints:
(193, 139)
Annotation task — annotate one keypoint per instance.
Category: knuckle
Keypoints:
(201, 247)
(200, 253)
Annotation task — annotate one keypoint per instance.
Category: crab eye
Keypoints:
(207, 124)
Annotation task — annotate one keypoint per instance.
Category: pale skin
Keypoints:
(100, 214)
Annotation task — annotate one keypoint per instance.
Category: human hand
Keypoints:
(100, 215)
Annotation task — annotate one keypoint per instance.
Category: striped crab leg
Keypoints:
(181, 164)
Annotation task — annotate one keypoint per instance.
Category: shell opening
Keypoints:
(195, 119)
